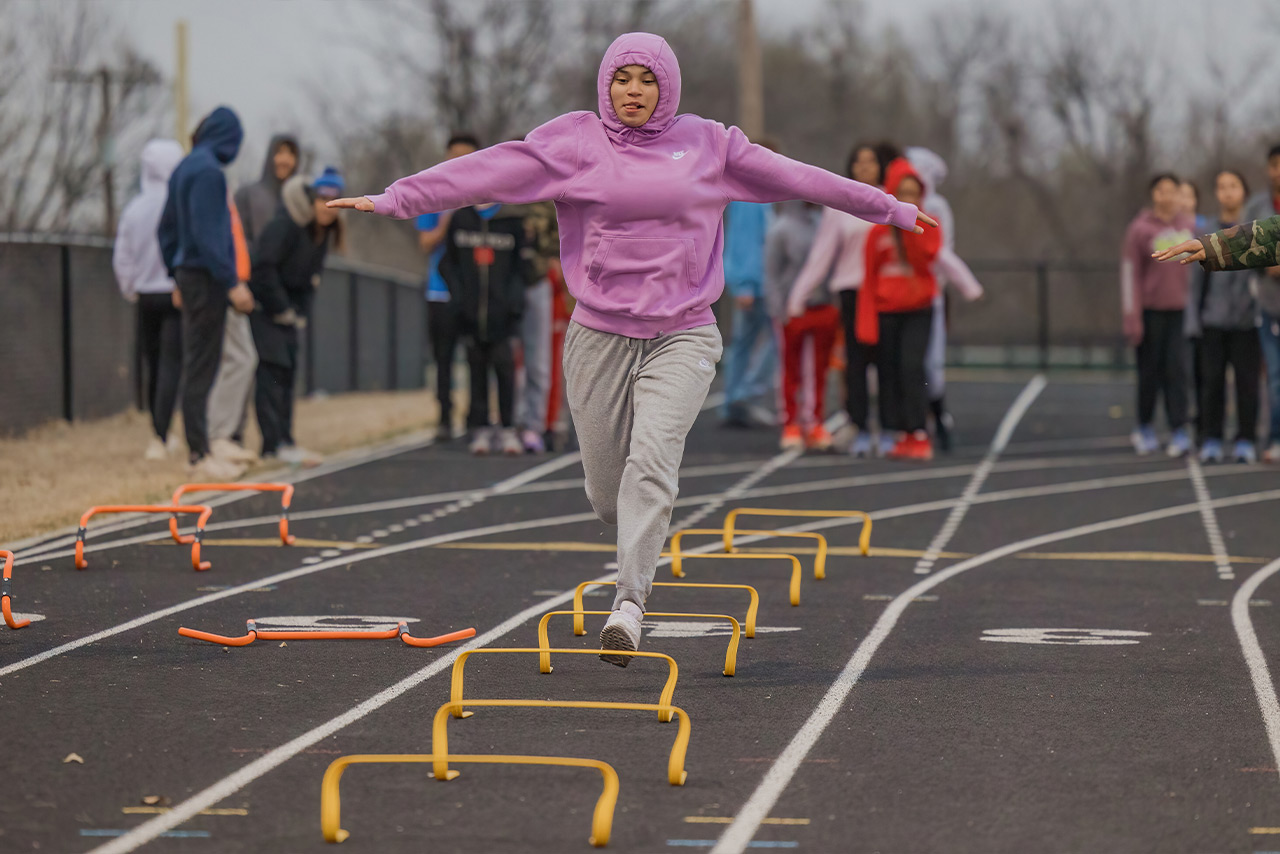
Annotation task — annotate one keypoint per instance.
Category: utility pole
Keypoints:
(182, 125)
(750, 73)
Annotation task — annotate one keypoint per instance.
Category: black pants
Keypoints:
(857, 357)
(273, 390)
(204, 315)
(1242, 350)
(442, 332)
(483, 356)
(904, 340)
(1162, 361)
(160, 346)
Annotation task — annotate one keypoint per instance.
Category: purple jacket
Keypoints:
(639, 209)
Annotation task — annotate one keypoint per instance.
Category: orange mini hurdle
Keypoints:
(286, 497)
(6, 595)
(204, 511)
(253, 633)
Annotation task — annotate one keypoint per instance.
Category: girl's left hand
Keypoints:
(1194, 247)
(361, 203)
(922, 217)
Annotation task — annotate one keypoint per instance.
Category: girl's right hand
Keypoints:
(360, 203)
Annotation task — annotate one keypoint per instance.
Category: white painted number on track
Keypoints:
(331, 623)
(1065, 637)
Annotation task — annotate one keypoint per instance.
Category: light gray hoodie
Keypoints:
(136, 259)
(786, 248)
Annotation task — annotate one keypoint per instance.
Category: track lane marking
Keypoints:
(1209, 519)
(1259, 674)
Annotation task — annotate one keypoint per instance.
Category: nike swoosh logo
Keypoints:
(678, 155)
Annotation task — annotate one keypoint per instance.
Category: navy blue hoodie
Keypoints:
(195, 228)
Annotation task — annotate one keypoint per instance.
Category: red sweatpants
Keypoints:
(820, 324)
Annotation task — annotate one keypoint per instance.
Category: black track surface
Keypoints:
(947, 744)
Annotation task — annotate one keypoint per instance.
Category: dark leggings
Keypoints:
(160, 346)
(857, 357)
(442, 333)
(483, 356)
(904, 340)
(1162, 368)
(1241, 349)
(204, 317)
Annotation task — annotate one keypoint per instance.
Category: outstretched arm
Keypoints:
(753, 173)
(1241, 247)
(536, 169)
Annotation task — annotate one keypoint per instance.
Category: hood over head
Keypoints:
(931, 168)
(268, 165)
(898, 171)
(296, 198)
(221, 133)
(159, 158)
(653, 53)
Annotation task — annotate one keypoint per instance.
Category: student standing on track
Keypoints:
(639, 193)
(1266, 284)
(199, 251)
(838, 260)
(142, 277)
(895, 312)
(1223, 315)
(1152, 301)
(442, 316)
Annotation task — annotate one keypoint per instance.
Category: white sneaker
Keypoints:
(213, 470)
(1272, 454)
(295, 456)
(481, 442)
(621, 631)
(156, 450)
(509, 441)
(175, 445)
(225, 449)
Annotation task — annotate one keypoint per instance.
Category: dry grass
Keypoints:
(54, 473)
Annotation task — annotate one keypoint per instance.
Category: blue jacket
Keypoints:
(195, 228)
(744, 237)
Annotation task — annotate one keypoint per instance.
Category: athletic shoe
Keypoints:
(214, 470)
(621, 631)
(532, 442)
(818, 439)
(1244, 452)
(792, 438)
(886, 444)
(942, 427)
(156, 450)
(225, 449)
(509, 441)
(1273, 453)
(174, 445)
(1179, 443)
(913, 446)
(861, 446)
(481, 442)
(1211, 451)
(1144, 441)
(295, 456)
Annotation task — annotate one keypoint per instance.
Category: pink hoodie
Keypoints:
(639, 208)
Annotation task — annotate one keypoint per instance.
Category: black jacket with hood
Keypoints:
(486, 273)
(288, 258)
(256, 203)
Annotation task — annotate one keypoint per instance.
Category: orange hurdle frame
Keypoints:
(204, 511)
(252, 633)
(286, 488)
(6, 595)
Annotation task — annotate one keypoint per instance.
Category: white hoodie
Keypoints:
(948, 268)
(136, 260)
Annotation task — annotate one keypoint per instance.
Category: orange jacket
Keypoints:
(243, 266)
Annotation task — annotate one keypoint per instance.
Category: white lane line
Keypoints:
(1010, 422)
(1263, 687)
(151, 829)
(738, 835)
(340, 462)
(1209, 519)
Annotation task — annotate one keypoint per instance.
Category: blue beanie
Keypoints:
(330, 180)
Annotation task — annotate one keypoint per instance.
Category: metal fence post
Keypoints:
(393, 348)
(353, 342)
(1042, 311)
(68, 368)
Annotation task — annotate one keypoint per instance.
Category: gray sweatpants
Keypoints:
(229, 398)
(633, 402)
(535, 334)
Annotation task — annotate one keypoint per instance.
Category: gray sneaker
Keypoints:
(621, 631)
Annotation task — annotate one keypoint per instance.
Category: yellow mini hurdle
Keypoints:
(678, 559)
(864, 539)
(544, 658)
(331, 804)
(676, 774)
(730, 655)
(819, 562)
(748, 628)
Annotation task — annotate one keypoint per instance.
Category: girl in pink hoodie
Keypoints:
(639, 193)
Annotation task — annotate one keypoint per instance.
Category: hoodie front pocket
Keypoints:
(647, 277)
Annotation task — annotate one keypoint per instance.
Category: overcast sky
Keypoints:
(252, 54)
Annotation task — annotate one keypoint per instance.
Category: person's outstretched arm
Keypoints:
(536, 169)
(817, 265)
(1240, 247)
(958, 274)
(753, 173)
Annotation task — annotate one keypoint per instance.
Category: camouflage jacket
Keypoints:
(1244, 246)
(542, 233)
